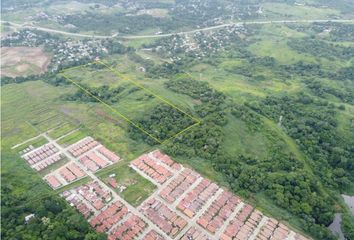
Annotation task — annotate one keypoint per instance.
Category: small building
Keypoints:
(29, 217)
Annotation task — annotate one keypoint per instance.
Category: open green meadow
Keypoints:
(298, 11)
(131, 186)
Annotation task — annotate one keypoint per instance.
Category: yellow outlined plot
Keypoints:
(123, 77)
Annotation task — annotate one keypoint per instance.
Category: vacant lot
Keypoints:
(23, 61)
(130, 185)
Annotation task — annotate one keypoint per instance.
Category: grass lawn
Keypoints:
(137, 188)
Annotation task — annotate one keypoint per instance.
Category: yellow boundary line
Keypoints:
(197, 121)
(179, 133)
(111, 108)
(149, 91)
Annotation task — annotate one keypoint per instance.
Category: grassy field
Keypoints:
(22, 104)
(240, 87)
(136, 43)
(34, 107)
(138, 94)
(297, 11)
(62, 130)
(27, 109)
(241, 141)
(72, 138)
(137, 188)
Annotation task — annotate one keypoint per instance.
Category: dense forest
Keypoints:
(320, 48)
(347, 225)
(203, 141)
(213, 104)
(104, 93)
(162, 123)
(312, 124)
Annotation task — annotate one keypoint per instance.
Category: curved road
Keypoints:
(176, 33)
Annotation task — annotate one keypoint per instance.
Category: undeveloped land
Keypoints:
(23, 61)
(155, 12)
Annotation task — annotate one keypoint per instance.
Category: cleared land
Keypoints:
(127, 183)
(23, 61)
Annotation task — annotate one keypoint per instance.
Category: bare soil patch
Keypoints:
(23, 61)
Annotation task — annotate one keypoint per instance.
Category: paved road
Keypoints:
(193, 222)
(25, 25)
(238, 23)
(258, 228)
(238, 208)
(28, 140)
(175, 33)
